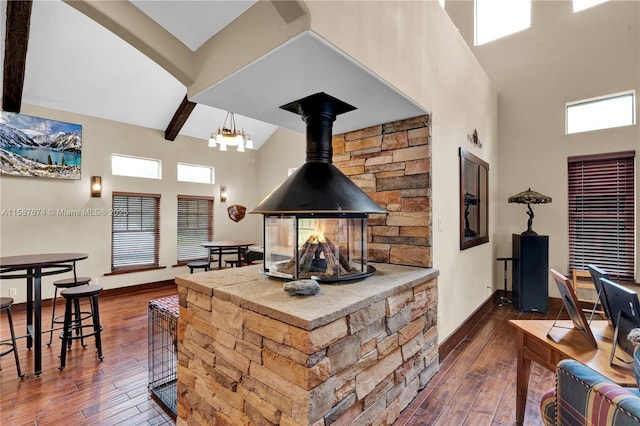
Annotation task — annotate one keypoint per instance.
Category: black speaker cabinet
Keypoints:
(530, 278)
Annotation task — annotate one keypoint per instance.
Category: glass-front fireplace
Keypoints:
(327, 248)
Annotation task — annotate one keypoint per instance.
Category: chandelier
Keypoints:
(228, 135)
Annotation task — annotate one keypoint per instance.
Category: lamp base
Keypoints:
(529, 232)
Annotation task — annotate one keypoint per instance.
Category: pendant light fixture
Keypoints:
(228, 135)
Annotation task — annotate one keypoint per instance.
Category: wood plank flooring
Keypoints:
(475, 384)
(86, 392)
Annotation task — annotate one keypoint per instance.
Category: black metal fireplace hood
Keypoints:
(318, 186)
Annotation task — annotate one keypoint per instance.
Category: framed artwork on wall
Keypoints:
(39, 147)
(474, 200)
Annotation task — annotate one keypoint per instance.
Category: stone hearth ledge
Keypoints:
(354, 354)
(248, 288)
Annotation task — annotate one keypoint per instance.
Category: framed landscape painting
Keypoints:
(37, 147)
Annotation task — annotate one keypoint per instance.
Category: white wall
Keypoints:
(92, 234)
(415, 47)
(412, 45)
(563, 57)
(284, 150)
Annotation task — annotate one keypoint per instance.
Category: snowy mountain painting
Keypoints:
(32, 146)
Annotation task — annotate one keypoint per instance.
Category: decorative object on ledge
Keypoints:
(96, 186)
(223, 194)
(474, 139)
(236, 212)
(529, 197)
(303, 287)
(229, 135)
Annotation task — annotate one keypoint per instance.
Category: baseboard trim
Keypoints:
(111, 292)
(449, 344)
(454, 339)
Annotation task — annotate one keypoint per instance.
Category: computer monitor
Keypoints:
(596, 275)
(624, 309)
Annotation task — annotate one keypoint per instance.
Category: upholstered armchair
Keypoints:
(585, 397)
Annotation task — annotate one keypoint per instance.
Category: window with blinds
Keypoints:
(195, 226)
(601, 213)
(135, 231)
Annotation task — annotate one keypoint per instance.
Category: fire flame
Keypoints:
(318, 235)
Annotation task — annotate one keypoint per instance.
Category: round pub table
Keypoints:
(33, 267)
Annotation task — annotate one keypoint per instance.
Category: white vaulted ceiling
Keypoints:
(75, 64)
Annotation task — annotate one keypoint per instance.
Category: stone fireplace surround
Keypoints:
(354, 354)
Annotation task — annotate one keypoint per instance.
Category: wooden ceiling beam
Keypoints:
(16, 41)
(179, 118)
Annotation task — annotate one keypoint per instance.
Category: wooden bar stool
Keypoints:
(72, 322)
(197, 265)
(62, 284)
(5, 305)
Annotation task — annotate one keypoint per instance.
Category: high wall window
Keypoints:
(604, 112)
(195, 226)
(495, 19)
(135, 231)
(195, 173)
(126, 165)
(601, 213)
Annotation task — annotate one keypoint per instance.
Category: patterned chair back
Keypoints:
(636, 364)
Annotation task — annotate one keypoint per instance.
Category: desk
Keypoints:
(534, 345)
(33, 267)
(227, 247)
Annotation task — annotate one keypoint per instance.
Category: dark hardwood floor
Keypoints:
(87, 392)
(475, 384)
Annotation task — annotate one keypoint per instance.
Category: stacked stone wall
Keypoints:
(392, 163)
(238, 367)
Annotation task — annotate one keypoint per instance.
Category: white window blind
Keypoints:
(135, 231)
(195, 226)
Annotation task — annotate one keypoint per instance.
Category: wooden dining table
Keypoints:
(227, 247)
(33, 267)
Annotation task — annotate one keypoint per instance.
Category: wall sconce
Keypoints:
(223, 194)
(96, 186)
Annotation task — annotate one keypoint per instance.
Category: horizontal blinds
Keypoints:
(135, 231)
(195, 226)
(601, 213)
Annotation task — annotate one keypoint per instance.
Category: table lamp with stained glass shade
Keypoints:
(529, 197)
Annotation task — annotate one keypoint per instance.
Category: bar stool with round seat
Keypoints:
(5, 305)
(62, 284)
(74, 323)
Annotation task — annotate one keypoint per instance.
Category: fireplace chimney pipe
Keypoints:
(318, 186)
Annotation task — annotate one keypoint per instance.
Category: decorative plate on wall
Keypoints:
(236, 212)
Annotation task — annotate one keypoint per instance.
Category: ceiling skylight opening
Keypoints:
(499, 18)
(441, 3)
(579, 5)
(604, 112)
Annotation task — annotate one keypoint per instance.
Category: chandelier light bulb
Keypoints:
(248, 143)
(212, 141)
